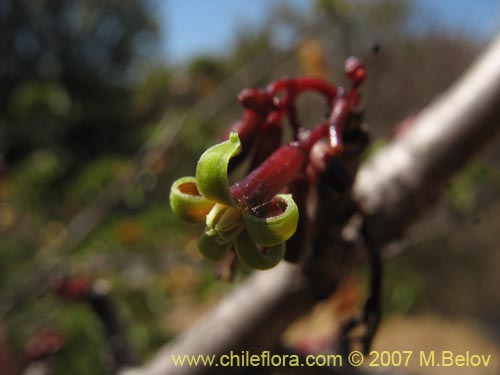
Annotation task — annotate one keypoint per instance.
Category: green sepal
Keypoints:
(274, 230)
(249, 254)
(187, 203)
(211, 248)
(211, 170)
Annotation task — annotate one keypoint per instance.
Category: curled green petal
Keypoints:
(271, 231)
(211, 247)
(187, 203)
(249, 254)
(211, 171)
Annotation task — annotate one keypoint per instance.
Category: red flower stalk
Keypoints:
(269, 139)
(337, 122)
(258, 104)
(356, 72)
(293, 87)
(271, 177)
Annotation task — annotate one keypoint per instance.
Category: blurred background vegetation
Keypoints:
(95, 125)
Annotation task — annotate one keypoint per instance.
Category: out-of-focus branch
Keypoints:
(393, 188)
(400, 182)
(104, 307)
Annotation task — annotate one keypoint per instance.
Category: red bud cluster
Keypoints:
(75, 288)
(46, 342)
(313, 153)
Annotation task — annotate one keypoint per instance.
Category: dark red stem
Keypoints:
(308, 138)
(269, 139)
(299, 85)
(271, 177)
(356, 72)
(295, 86)
(248, 128)
(258, 103)
(337, 122)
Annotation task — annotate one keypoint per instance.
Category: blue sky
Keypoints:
(207, 26)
